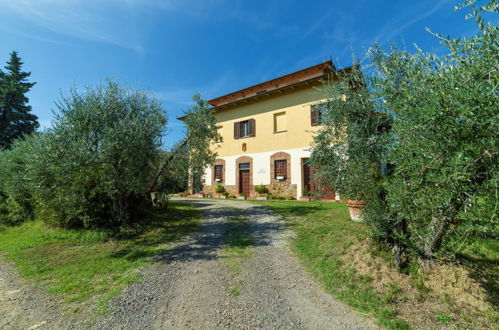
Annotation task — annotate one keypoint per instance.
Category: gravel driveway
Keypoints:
(190, 287)
(24, 306)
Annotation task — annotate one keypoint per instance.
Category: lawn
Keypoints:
(339, 254)
(86, 269)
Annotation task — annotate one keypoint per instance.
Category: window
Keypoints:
(244, 166)
(245, 128)
(280, 169)
(219, 173)
(280, 122)
(316, 114)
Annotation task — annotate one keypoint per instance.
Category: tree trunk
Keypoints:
(433, 241)
(399, 245)
(165, 165)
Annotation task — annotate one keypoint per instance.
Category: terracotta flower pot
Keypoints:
(356, 208)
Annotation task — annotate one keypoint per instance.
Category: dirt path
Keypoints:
(23, 306)
(190, 288)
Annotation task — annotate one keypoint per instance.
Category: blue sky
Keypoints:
(175, 48)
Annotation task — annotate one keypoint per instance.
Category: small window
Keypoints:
(316, 114)
(245, 128)
(280, 122)
(280, 169)
(244, 166)
(219, 173)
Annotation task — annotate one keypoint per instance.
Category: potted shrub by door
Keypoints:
(219, 189)
(356, 209)
(305, 194)
(241, 196)
(262, 192)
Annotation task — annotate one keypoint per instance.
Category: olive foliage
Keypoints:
(94, 165)
(419, 142)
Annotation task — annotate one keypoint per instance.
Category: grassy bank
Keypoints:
(337, 252)
(86, 269)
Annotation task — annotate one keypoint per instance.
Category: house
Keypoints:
(267, 131)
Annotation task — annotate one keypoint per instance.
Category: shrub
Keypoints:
(16, 188)
(288, 197)
(92, 167)
(225, 193)
(219, 189)
(261, 189)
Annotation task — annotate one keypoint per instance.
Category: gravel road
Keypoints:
(190, 286)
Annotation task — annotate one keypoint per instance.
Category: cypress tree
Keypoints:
(16, 118)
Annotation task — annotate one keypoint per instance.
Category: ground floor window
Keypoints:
(280, 169)
(219, 173)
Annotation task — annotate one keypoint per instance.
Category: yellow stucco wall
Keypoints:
(299, 131)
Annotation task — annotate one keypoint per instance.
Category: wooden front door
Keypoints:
(324, 192)
(308, 174)
(244, 182)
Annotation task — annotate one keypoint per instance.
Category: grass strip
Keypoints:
(237, 249)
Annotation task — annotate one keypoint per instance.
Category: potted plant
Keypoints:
(305, 194)
(356, 208)
(219, 189)
(225, 194)
(241, 196)
(263, 197)
(262, 192)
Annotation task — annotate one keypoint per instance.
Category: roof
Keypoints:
(307, 76)
(312, 72)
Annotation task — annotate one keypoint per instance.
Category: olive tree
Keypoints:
(95, 163)
(195, 151)
(446, 133)
(420, 143)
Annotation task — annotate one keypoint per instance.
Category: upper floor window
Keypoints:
(280, 169)
(219, 173)
(245, 128)
(316, 114)
(280, 122)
